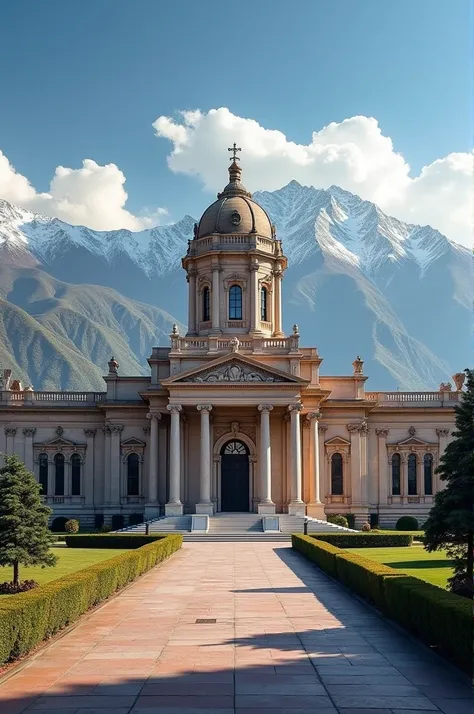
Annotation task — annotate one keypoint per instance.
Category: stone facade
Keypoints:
(234, 415)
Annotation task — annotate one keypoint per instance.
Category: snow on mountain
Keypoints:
(358, 281)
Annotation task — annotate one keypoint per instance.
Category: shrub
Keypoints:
(112, 540)
(105, 528)
(338, 520)
(28, 618)
(407, 523)
(366, 527)
(439, 618)
(118, 521)
(71, 526)
(58, 524)
(12, 589)
(135, 519)
(366, 540)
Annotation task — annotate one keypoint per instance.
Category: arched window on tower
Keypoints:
(59, 475)
(133, 475)
(43, 473)
(396, 475)
(206, 304)
(75, 475)
(235, 302)
(337, 476)
(412, 488)
(428, 474)
(264, 304)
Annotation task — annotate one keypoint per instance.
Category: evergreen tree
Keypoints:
(24, 534)
(450, 524)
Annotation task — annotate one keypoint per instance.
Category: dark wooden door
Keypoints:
(235, 479)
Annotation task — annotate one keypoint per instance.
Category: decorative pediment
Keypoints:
(58, 443)
(337, 441)
(131, 442)
(413, 441)
(234, 369)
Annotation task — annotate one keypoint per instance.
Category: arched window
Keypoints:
(59, 475)
(75, 475)
(396, 475)
(206, 304)
(43, 473)
(337, 480)
(235, 447)
(412, 489)
(133, 475)
(235, 302)
(428, 474)
(264, 304)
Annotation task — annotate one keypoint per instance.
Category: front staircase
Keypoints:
(235, 527)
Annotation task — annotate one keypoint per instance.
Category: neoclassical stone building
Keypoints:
(235, 416)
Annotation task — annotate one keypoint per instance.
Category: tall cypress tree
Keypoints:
(25, 538)
(450, 524)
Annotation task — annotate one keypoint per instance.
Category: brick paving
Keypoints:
(286, 640)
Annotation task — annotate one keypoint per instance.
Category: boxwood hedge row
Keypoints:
(28, 618)
(366, 540)
(435, 616)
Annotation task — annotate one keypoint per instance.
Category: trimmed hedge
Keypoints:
(407, 523)
(436, 616)
(28, 618)
(111, 540)
(366, 540)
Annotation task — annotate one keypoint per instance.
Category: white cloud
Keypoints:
(93, 195)
(353, 154)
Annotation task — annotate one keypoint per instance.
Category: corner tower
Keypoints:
(234, 266)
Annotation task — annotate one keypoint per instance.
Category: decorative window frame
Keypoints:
(338, 445)
(419, 447)
(60, 445)
(133, 445)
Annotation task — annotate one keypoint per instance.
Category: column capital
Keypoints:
(204, 408)
(29, 431)
(90, 432)
(323, 428)
(382, 432)
(353, 427)
(117, 428)
(295, 408)
(10, 431)
(174, 408)
(265, 408)
(154, 415)
(442, 432)
(311, 416)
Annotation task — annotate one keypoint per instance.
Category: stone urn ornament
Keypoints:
(458, 380)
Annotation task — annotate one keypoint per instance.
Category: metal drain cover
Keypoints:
(204, 621)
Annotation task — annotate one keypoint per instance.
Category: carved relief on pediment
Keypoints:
(234, 372)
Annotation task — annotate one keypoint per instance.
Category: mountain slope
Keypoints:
(358, 282)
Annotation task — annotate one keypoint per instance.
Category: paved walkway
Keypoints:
(280, 638)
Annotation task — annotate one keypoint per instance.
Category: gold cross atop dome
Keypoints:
(234, 149)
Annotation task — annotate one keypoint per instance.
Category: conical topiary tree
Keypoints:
(450, 524)
(25, 538)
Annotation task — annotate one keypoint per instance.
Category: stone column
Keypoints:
(383, 475)
(174, 507)
(216, 327)
(296, 506)
(192, 316)
(364, 471)
(266, 504)
(107, 465)
(315, 507)
(152, 508)
(88, 475)
(356, 480)
(278, 275)
(29, 433)
(10, 433)
(254, 299)
(322, 429)
(443, 435)
(205, 504)
(116, 466)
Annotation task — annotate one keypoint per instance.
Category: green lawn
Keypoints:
(69, 560)
(435, 568)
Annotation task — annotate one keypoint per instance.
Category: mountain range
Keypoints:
(358, 282)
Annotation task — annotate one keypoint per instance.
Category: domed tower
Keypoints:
(234, 266)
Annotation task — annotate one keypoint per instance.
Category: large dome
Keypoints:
(235, 211)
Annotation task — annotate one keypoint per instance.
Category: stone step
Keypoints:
(236, 537)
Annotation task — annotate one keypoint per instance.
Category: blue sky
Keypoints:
(86, 80)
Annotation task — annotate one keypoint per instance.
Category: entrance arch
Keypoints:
(235, 477)
(234, 435)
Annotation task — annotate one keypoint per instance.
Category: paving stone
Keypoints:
(354, 701)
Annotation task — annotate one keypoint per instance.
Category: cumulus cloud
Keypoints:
(353, 154)
(93, 195)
